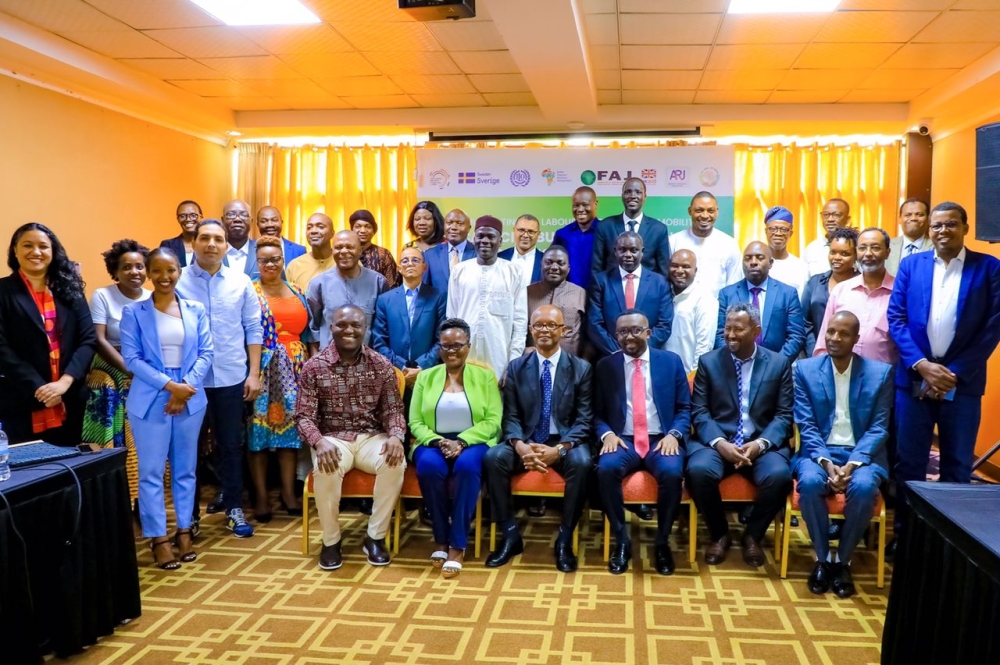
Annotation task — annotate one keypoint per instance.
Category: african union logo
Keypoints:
(549, 176)
(439, 178)
(588, 177)
(467, 178)
(709, 177)
(520, 177)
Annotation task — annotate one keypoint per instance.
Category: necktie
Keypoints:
(542, 428)
(629, 291)
(910, 249)
(631, 225)
(738, 437)
(755, 293)
(454, 256)
(640, 428)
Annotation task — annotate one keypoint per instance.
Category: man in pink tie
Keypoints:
(642, 411)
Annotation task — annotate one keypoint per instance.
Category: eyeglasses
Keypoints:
(941, 226)
(453, 348)
(778, 230)
(271, 261)
(832, 215)
(188, 217)
(232, 214)
(635, 331)
(411, 261)
(526, 232)
(546, 327)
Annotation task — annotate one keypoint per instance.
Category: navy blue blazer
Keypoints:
(403, 344)
(607, 300)
(977, 329)
(655, 243)
(439, 267)
(291, 250)
(871, 397)
(536, 272)
(176, 245)
(782, 327)
(671, 394)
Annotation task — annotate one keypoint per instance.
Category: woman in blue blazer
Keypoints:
(167, 346)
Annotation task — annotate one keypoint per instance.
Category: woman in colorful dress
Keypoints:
(285, 318)
(104, 421)
(426, 225)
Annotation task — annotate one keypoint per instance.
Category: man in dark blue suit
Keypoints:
(655, 237)
(547, 424)
(269, 223)
(646, 433)
(455, 249)
(407, 319)
(783, 327)
(742, 413)
(842, 407)
(188, 216)
(626, 286)
(524, 254)
(944, 315)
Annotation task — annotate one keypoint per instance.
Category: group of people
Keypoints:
(477, 364)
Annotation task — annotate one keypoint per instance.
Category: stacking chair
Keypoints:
(533, 483)
(411, 490)
(641, 487)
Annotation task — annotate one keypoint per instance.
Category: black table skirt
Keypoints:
(944, 602)
(74, 588)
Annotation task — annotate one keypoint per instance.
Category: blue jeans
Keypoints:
(451, 511)
(862, 493)
(226, 410)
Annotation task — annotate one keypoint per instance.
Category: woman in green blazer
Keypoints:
(455, 416)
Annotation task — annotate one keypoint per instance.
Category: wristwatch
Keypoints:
(677, 435)
(563, 450)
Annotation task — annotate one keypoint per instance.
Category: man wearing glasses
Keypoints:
(642, 410)
(835, 214)
(944, 315)
(787, 268)
(547, 418)
(524, 254)
(188, 216)
(242, 252)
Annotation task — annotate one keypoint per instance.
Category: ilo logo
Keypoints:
(588, 177)
(520, 177)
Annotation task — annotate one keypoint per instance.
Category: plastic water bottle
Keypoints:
(4, 465)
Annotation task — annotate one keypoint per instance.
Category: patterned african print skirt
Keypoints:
(272, 425)
(104, 421)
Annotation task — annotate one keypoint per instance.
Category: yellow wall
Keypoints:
(94, 176)
(954, 179)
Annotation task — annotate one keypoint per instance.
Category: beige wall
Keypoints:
(954, 179)
(94, 176)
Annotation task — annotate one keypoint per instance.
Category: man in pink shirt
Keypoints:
(867, 297)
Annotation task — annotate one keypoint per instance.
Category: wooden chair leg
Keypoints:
(576, 541)
(306, 495)
(881, 550)
(778, 530)
(692, 532)
(785, 537)
(607, 538)
(493, 536)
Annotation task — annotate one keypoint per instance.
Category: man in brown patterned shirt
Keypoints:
(350, 413)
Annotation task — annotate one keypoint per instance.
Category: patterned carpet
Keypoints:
(260, 601)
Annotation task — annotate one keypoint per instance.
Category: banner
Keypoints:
(507, 183)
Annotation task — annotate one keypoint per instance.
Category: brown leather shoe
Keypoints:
(378, 554)
(753, 554)
(330, 558)
(716, 552)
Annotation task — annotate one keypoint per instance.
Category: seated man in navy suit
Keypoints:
(642, 410)
(782, 326)
(742, 413)
(547, 423)
(654, 233)
(629, 285)
(440, 259)
(407, 319)
(842, 405)
(524, 253)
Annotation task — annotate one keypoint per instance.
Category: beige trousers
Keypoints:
(364, 453)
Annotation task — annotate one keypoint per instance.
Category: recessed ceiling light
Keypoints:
(782, 6)
(258, 12)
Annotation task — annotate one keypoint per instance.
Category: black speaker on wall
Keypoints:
(988, 182)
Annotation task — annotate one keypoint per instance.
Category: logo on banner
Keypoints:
(677, 177)
(614, 177)
(477, 178)
(549, 175)
(648, 176)
(439, 178)
(467, 178)
(520, 177)
(588, 177)
(709, 176)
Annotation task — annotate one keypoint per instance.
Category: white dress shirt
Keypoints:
(525, 262)
(637, 220)
(720, 261)
(692, 334)
(792, 271)
(552, 375)
(652, 417)
(238, 257)
(943, 316)
(842, 434)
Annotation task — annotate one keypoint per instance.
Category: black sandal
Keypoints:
(172, 564)
(189, 555)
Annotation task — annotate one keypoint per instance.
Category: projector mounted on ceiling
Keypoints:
(438, 10)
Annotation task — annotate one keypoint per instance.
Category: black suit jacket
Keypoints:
(655, 244)
(24, 348)
(176, 245)
(715, 410)
(571, 398)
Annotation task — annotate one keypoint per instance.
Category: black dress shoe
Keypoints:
(376, 550)
(330, 557)
(538, 509)
(819, 581)
(794, 521)
(664, 560)
(565, 560)
(217, 505)
(890, 551)
(744, 516)
(835, 528)
(365, 506)
(509, 548)
(843, 583)
(618, 563)
(643, 511)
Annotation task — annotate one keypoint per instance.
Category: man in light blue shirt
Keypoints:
(234, 318)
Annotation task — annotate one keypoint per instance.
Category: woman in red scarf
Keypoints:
(47, 341)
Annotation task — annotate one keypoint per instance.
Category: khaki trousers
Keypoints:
(364, 453)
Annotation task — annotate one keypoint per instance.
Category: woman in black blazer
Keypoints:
(47, 341)
(843, 259)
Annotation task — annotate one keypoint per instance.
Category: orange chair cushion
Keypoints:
(640, 487)
(538, 484)
(836, 503)
(737, 488)
(411, 486)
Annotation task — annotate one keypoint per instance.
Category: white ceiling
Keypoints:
(609, 64)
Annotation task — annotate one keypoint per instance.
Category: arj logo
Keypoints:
(520, 177)
(588, 177)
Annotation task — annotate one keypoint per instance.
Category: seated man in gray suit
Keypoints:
(842, 405)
